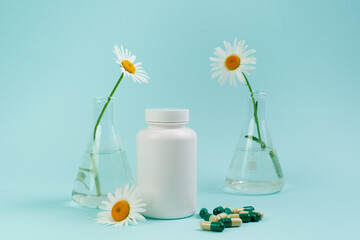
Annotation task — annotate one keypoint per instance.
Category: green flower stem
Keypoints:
(272, 154)
(255, 109)
(276, 163)
(96, 175)
(97, 180)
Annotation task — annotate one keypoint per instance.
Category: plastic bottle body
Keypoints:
(166, 170)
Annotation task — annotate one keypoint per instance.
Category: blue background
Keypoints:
(56, 55)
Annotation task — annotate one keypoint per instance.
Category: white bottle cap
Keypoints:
(167, 115)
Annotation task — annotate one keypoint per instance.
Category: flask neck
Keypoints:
(104, 109)
(257, 105)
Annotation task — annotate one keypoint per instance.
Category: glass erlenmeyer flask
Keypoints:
(255, 167)
(104, 167)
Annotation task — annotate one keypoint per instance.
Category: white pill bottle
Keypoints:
(166, 154)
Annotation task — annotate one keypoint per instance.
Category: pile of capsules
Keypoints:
(224, 217)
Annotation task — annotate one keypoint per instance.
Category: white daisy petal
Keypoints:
(136, 195)
(111, 198)
(232, 79)
(217, 68)
(219, 52)
(117, 53)
(247, 53)
(234, 45)
(139, 216)
(134, 79)
(138, 209)
(105, 205)
(119, 224)
(228, 47)
(245, 72)
(122, 52)
(133, 219)
(223, 77)
(142, 79)
(141, 71)
(118, 194)
(250, 60)
(104, 220)
(101, 220)
(216, 64)
(216, 74)
(139, 202)
(217, 59)
(240, 77)
(132, 58)
(241, 47)
(126, 53)
(102, 214)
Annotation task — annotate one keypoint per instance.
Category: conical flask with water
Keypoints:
(255, 167)
(104, 167)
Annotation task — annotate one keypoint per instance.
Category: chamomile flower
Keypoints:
(126, 61)
(232, 62)
(122, 208)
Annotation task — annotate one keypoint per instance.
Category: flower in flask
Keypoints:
(233, 63)
(122, 208)
(126, 60)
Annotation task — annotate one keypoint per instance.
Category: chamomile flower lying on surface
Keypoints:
(126, 60)
(122, 208)
(232, 63)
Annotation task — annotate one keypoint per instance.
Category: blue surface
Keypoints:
(56, 55)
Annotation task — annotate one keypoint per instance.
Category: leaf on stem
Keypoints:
(255, 139)
(85, 169)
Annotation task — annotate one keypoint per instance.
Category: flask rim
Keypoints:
(100, 99)
(258, 94)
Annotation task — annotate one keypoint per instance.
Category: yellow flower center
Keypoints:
(232, 62)
(120, 210)
(128, 66)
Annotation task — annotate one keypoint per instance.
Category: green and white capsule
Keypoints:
(228, 211)
(245, 217)
(221, 209)
(246, 208)
(255, 217)
(202, 212)
(249, 208)
(222, 215)
(231, 222)
(228, 207)
(217, 210)
(212, 226)
(237, 210)
(244, 212)
(211, 217)
(261, 213)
